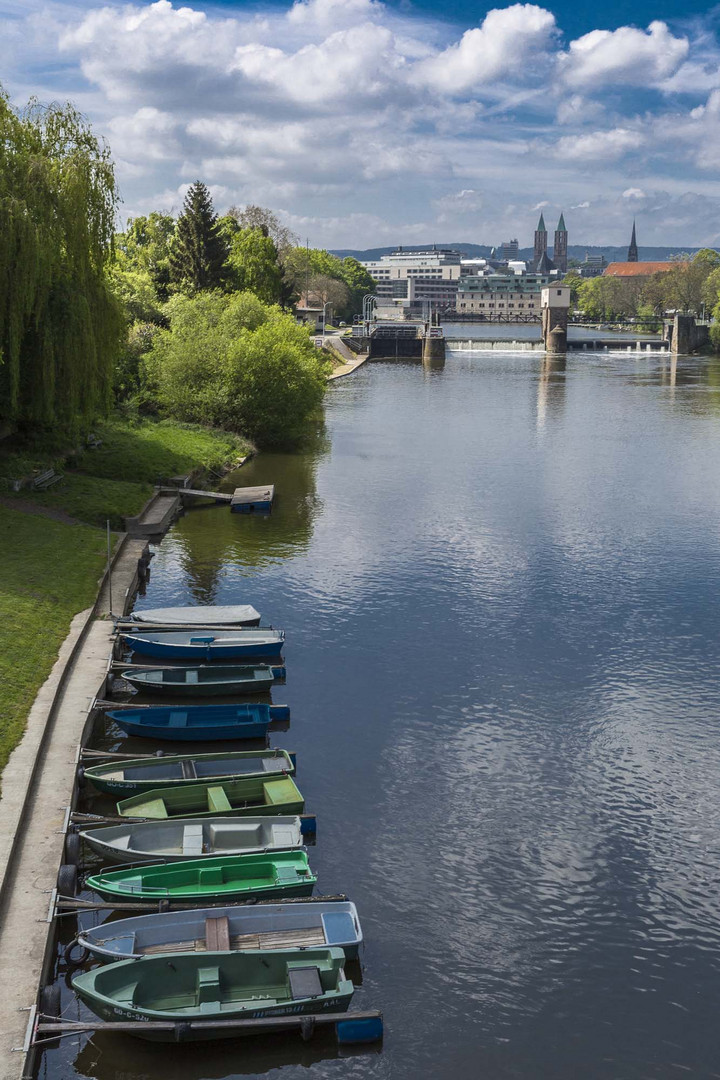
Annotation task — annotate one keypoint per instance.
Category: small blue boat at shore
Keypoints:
(189, 723)
(202, 645)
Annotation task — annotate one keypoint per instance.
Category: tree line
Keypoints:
(189, 317)
(690, 286)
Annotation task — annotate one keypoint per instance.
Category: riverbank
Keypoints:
(52, 549)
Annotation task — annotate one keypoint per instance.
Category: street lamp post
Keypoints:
(325, 306)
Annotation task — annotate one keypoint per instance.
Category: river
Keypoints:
(499, 584)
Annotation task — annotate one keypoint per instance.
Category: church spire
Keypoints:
(633, 249)
(540, 248)
(560, 246)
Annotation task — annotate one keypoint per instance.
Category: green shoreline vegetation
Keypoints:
(125, 359)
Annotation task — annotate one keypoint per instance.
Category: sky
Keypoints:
(363, 123)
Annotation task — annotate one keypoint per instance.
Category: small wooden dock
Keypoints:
(249, 500)
(243, 500)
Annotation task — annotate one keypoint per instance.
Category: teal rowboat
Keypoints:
(183, 770)
(234, 798)
(227, 877)
(207, 986)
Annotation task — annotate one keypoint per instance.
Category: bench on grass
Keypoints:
(46, 479)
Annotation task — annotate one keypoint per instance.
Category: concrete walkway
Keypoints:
(37, 786)
(352, 360)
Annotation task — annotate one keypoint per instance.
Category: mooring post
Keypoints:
(555, 305)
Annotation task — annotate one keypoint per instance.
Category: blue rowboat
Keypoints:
(304, 925)
(205, 680)
(199, 723)
(200, 645)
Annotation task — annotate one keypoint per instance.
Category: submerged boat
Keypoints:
(242, 798)
(199, 722)
(204, 681)
(225, 877)
(205, 645)
(181, 770)
(205, 615)
(261, 926)
(179, 987)
(174, 841)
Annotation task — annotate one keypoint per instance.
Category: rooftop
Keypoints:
(637, 269)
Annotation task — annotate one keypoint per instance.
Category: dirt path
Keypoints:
(25, 506)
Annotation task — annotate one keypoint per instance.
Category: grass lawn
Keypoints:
(91, 498)
(149, 452)
(49, 573)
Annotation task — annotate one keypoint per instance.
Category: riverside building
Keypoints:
(501, 294)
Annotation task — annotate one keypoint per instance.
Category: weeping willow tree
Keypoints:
(60, 326)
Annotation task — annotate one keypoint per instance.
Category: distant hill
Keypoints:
(575, 251)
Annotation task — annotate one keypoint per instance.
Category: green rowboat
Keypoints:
(235, 798)
(228, 877)
(187, 987)
(182, 770)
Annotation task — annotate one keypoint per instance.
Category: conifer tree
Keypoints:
(198, 252)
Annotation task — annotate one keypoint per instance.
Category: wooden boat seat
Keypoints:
(217, 934)
(192, 843)
(191, 676)
(178, 719)
(188, 770)
(305, 982)
(217, 800)
(208, 985)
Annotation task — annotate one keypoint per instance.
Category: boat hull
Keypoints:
(206, 688)
(182, 770)
(314, 926)
(203, 881)
(236, 798)
(166, 650)
(195, 723)
(192, 838)
(185, 989)
(210, 615)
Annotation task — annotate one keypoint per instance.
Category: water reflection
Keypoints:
(550, 389)
(503, 668)
(209, 546)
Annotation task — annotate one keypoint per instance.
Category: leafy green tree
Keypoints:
(253, 262)
(232, 361)
(60, 325)
(145, 246)
(198, 252)
(258, 217)
(573, 280)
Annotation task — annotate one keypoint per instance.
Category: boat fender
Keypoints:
(67, 880)
(307, 1028)
(159, 753)
(80, 776)
(163, 905)
(75, 961)
(72, 849)
(182, 1031)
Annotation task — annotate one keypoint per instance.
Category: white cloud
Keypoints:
(625, 56)
(371, 122)
(598, 145)
(633, 193)
(507, 45)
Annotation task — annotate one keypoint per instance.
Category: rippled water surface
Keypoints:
(499, 582)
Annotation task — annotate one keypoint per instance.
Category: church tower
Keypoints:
(632, 250)
(540, 241)
(560, 256)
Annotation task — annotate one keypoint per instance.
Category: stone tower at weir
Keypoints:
(560, 246)
(633, 250)
(540, 241)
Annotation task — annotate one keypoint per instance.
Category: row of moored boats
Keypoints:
(215, 839)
